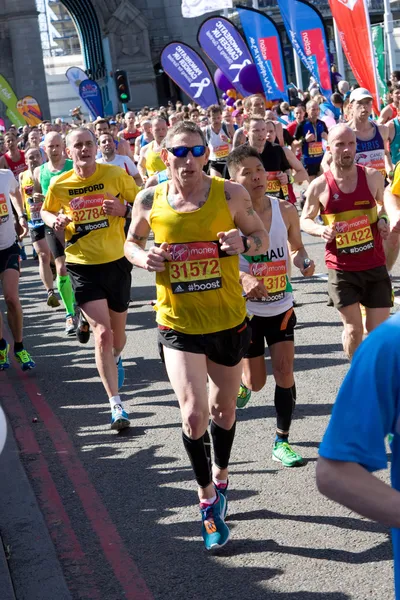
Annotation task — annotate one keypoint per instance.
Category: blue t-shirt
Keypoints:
(367, 409)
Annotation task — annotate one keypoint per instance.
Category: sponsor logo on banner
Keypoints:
(270, 52)
(314, 47)
(184, 66)
(224, 45)
(348, 3)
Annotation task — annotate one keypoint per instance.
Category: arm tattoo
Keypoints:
(250, 211)
(139, 238)
(257, 241)
(227, 196)
(147, 197)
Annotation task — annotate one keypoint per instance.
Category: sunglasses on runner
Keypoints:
(183, 151)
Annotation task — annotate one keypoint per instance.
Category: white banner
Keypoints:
(196, 8)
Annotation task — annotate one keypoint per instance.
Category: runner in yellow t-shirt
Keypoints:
(92, 200)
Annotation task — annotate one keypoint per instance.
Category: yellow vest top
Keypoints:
(154, 164)
(32, 208)
(199, 291)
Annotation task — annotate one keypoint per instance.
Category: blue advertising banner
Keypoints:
(189, 71)
(265, 46)
(90, 93)
(305, 28)
(224, 45)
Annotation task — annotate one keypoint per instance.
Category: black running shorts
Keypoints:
(272, 330)
(55, 244)
(371, 288)
(225, 347)
(9, 258)
(37, 234)
(109, 281)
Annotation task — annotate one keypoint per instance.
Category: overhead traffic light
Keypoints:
(122, 83)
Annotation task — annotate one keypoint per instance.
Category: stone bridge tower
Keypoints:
(125, 34)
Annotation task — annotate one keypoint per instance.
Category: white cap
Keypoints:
(360, 94)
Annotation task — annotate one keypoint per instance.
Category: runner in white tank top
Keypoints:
(269, 298)
(273, 267)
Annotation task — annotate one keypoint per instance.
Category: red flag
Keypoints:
(354, 27)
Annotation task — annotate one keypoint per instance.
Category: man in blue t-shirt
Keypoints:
(367, 409)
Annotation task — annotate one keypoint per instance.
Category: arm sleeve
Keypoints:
(127, 187)
(366, 407)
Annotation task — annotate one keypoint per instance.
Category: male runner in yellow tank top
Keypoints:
(150, 161)
(32, 206)
(201, 313)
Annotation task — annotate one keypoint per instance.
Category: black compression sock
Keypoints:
(222, 442)
(197, 453)
(18, 346)
(284, 405)
(3, 344)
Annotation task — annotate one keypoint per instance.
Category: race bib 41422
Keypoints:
(354, 236)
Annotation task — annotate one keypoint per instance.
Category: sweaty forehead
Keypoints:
(186, 139)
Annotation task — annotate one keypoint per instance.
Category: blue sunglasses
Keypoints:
(183, 151)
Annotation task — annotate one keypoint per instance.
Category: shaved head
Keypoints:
(338, 131)
(53, 138)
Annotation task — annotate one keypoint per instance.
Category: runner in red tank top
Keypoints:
(349, 198)
(13, 159)
(391, 110)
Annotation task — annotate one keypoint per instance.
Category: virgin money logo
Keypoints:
(258, 270)
(179, 252)
(342, 227)
(77, 203)
(349, 3)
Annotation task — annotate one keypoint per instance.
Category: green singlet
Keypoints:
(46, 175)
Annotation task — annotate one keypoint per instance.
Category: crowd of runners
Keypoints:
(225, 194)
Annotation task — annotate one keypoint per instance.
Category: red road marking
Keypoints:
(80, 578)
(113, 547)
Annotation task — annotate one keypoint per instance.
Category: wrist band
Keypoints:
(385, 218)
(246, 243)
(128, 211)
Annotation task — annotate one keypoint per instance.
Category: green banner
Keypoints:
(379, 52)
(8, 97)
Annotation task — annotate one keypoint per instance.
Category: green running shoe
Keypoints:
(4, 358)
(25, 360)
(244, 396)
(283, 453)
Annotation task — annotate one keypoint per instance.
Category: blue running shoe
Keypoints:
(25, 360)
(5, 358)
(121, 373)
(222, 488)
(214, 531)
(119, 418)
